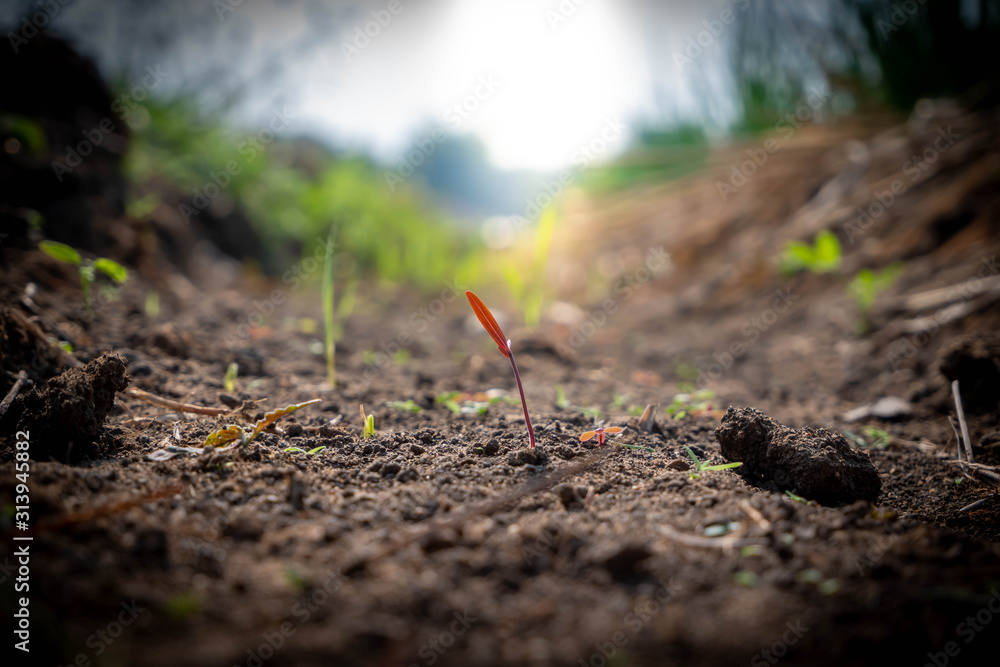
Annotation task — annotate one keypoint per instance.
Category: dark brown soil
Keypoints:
(442, 540)
(816, 463)
(65, 418)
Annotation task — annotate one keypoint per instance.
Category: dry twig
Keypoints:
(22, 379)
(961, 422)
(174, 405)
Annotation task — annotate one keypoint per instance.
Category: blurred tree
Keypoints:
(878, 52)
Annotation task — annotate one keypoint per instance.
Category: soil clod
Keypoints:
(66, 416)
(818, 464)
(532, 457)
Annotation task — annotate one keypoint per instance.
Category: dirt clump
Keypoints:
(65, 417)
(818, 464)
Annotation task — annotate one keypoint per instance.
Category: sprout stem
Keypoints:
(524, 403)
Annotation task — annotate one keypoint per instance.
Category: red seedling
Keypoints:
(600, 433)
(503, 344)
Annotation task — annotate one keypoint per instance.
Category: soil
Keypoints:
(444, 540)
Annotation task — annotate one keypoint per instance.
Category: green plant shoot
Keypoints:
(821, 257)
(88, 268)
(335, 313)
(230, 380)
(329, 344)
(369, 424)
(700, 467)
(865, 286)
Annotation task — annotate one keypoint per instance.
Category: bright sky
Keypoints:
(551, 85)
(539, 79)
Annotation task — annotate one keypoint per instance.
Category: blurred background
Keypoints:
(536, 150)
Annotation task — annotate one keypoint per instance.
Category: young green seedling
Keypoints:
(701, 467)
(369, 423)
(601, 434)
(315, 450)
(334, 314)
(503, 344)
(230, 380)
(88, 268)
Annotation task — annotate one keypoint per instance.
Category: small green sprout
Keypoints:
(821, 257)
(700, 467)
(871, 436)
(798, 499)
(294, 579)
(448, 400)
(745, 578)
(720, 529)
(311, 452)
(152, 304)
(230, 380)
(865, 287)
(401, 356)
(696, 402)
(407, 405)
(810, 576)
(334, 314)
(561, 401)
(369, 423)
(88, 268)
(183, 605)
(829, 587)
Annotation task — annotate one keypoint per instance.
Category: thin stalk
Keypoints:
(330, 344)
(524, 403)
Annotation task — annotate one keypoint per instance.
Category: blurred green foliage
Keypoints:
(656, 154)
(821, 257)
(293, 191)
